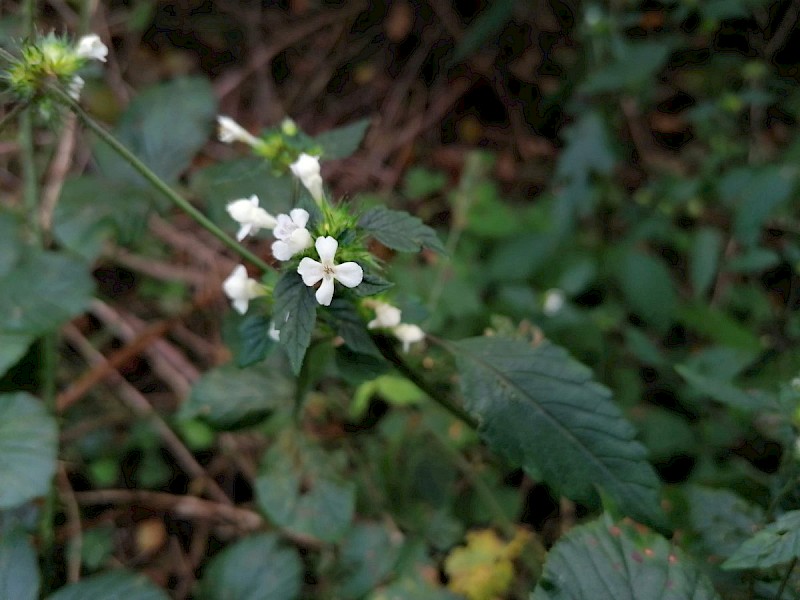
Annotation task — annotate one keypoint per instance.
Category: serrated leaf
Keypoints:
(542, 410)
(366, 556)
(253, 342)
(42, 291)
(230, 398)
(352, 329)
(115, 585)
(28, 446)
(164, 126)
(778, 543)
(606, 561)
(302, 489)
(341, 142)
(295, 314)
(19, 567)
(722, 519)
(399, 230)
(255, 568)
(372, 284)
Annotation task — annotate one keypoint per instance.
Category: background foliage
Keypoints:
(611, 299)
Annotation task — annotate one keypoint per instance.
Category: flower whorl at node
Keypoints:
(349, 274)
(307, 169)
(250, 216)
(240, 289)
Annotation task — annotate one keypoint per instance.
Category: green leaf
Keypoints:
(722, 519)
(114, 585)
(704, 260)
(606, 561)
(230, 398)
(351, 327)
(588, 149)
(165, 126)
(635, 68)
(342, 141)
(19, 567)
(372, 284)
(303, 489)
(12, 348)
(259, 567)
(399, 230)
(396, 390)
(28, 446)
(44, 290)
(718, 325)
(647, 286)
(366, 556)
(722, 391)
(11, 242)
(253, 342)
(295, 314)
(778, 543)
(542, 410)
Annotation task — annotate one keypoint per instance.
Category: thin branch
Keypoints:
(73, 513)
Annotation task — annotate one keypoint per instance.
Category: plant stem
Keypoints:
(10, 115)
(785, 579)
(28, 15)
(390, 354)
(159, 183)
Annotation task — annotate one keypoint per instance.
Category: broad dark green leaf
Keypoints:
(704, 260)
(588, 149)
(352, 328)
(28, 446)
(342, 141)
(399, 230)
(114, 585)
(19, 567)
(229, 398)
(260, 567)
(295, 314)
(606, 561)
(647, 286)
(541, 409)
(723, 391)
(12, 348)
(722, 519)
(372, 284)
(366, 557)
(165, 126)
(778, 543)
(718, 325)
(11, 242)
(303, 489)
(42, 291)
(253, 341)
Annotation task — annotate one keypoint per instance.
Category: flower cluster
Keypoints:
(50, 58)
(330, 232)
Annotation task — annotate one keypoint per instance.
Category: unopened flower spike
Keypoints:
(306, 168)
(349, 274)
(291, 233)
(250, 216)
(230, 131)
(90, 46)
(241, 289)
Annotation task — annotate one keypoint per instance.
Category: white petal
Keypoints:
(386, 316)
(90, 46)
(325, 292)
(305, 166)
(244, 230)
(254, 200)
(274, 334)
(408, 334)
(299, 217)
(326, 248)
(230, 131)
(349, 274)
(300, 240)
(310, 270)
(241, 304)
(284, 226)
(281, 250)
(240, 210)
(234, 284)
(262, 218)
(314, 186)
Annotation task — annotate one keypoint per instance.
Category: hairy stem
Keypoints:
(157, 182)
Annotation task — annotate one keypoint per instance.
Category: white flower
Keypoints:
(75, 87)
(386, 315)
(408, 334)
(348, 274)
(230, 131)
(241, 289)
(250, 216)
(293, 237)
(274, 334)
(553, 302)
(306, 169)
(90, 46)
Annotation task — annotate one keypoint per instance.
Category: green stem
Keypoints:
(30, 191)
(785, 579)
(10, 115)
(390, 354)
(28, 16)
(159, 183)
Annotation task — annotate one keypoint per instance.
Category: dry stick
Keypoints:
(73, 513)
(141, 407)
(57, 173)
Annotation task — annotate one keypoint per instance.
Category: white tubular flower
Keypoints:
(553, 302)
(293, 237)
(386, 316)
(306, 168)
(230, 131)
(75, 87)
(408, 334)
(90, 46)
(274, 334)
(349, 274)
(241, 289)
(250, 216)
